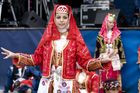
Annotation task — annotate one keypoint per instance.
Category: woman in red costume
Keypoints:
(109, 45)
(58, 52)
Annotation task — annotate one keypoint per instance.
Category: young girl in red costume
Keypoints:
(109, 45)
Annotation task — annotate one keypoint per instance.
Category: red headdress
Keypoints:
(51, 31)
(103, 32)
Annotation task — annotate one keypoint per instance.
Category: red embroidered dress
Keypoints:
(74, 51)
(104, 44)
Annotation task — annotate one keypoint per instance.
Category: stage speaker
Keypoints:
(31, 19)
(87, 15)
(100, 15)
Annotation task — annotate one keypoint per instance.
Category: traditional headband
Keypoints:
(62, 8)
(111, 17)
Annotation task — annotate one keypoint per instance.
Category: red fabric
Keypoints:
(108, 72)
(15, 62)
(103, 31)
(26, 82)
(92, 82)
(139, 49)
(75, 51)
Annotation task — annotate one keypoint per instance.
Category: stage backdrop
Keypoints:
(26, 40)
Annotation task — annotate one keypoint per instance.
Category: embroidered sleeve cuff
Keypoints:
(23, 59)
(16, 60)
(94, 65)
(91, 60)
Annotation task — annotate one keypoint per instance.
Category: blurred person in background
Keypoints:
(22, 79)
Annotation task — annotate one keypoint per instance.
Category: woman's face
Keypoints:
(110, 24)
(61, 20)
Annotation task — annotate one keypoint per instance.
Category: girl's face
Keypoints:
(110, 24)
(61, 20)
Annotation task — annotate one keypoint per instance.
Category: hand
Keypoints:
(112, 53)
(97, 60)
(8, 53)
(94, 65)
(105, 60)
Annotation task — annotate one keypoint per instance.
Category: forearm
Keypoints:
(23, 59)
